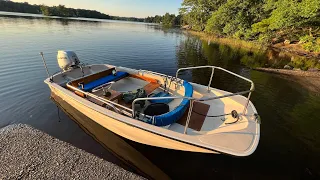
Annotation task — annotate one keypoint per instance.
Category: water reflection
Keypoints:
(227, 55)
(112, 142)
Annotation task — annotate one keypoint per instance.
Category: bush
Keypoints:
(310, 43)
(306, 38)
(304, 63)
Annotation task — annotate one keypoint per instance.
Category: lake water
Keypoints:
(290, 132)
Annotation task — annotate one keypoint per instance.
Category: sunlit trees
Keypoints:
(263, 20)
(197, 12)
(288, 13)
(62, 11)
(167, 20)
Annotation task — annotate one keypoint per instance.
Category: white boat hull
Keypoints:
(128, 131)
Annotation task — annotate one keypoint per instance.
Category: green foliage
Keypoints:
(310, 43)
(234, 18)
(267, 21)
(287, 13)
(168, 20)
(304, 63)
(197, 12)
(127, 18)
(155, 19)
(306, 38)
(18, 7)
(62, 11)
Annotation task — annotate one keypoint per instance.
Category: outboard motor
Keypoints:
(67, 60)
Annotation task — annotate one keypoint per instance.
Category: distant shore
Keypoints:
(59, 11)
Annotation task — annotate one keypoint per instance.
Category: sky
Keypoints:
(127, 8)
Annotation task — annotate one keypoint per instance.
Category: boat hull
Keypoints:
(125, 130)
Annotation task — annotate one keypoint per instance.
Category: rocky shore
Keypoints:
(27, 153)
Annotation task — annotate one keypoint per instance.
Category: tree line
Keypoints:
(60, 10)
(263, 20)
(167, 20)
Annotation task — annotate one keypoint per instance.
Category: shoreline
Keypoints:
(294, 49)
(291, 50)
(248, 45)
(306, 79)
(299, 73)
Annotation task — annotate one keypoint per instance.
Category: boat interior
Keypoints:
(168, 102)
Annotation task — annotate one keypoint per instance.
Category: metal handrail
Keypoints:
(103, 85)
(176, 80)
(188, 98)
(109, 103)
(192, 100)
(212, 73)
(150, 72)
(215, 67)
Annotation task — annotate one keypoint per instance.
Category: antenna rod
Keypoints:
(45, 64)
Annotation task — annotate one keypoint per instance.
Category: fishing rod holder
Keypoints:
(45, 65)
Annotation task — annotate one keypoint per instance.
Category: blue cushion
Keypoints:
(177, 113)
(91, 85)
(161, 94)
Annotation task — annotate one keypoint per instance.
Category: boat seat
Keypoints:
(92, 77)
(138, 76)
(177, 113)
(93, 84)
(149, 88)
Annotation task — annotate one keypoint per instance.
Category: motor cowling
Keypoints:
(67, 60)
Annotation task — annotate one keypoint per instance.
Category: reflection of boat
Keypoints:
(159, 110)
(115, 144)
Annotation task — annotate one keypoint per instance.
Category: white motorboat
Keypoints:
(160, 110)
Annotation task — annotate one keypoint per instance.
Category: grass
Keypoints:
(238, 43)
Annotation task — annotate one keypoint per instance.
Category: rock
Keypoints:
(286, 42)
(186, 27)
(275, 40)
(288, 67)
(297, 69)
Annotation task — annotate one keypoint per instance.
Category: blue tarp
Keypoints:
(161, 94)
(91, 85)
(177, 113)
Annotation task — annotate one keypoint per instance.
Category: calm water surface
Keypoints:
(290, 132)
